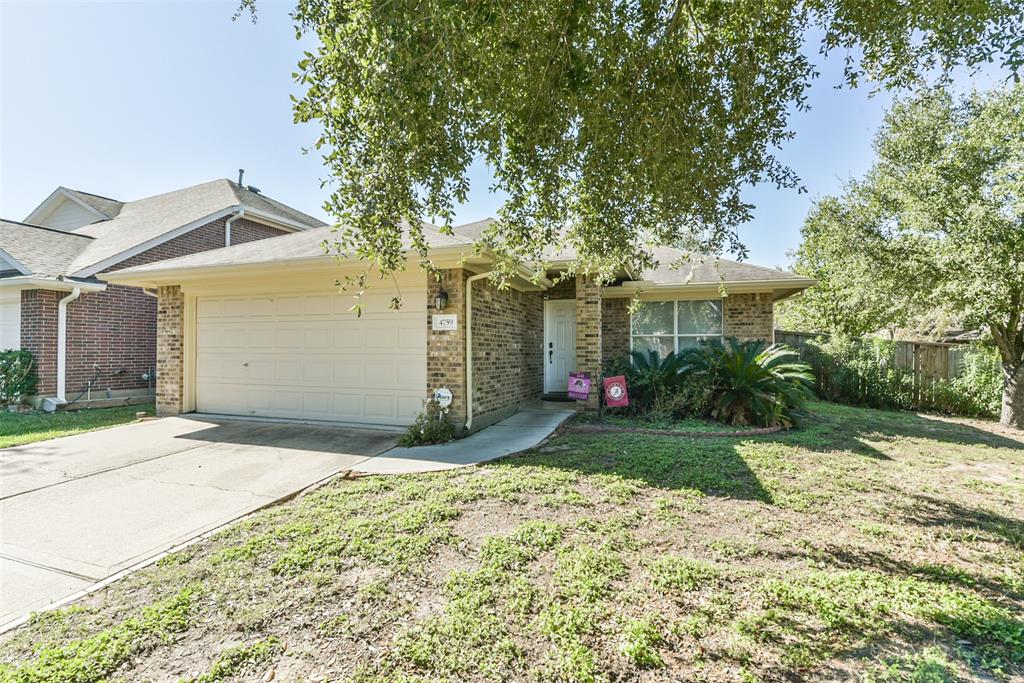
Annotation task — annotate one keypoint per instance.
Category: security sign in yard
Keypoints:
(615, 394)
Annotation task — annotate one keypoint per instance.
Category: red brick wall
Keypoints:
(112, 334)
(508, 348)
(39, 334)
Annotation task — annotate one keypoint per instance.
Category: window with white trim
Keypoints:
(666, 326)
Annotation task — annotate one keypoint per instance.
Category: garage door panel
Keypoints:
(309, 357)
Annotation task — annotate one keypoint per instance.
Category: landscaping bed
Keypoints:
(865, 544)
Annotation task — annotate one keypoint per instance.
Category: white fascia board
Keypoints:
(49, 204)
(21, 267)
(91, 270)
(763, 284)
(66, 285)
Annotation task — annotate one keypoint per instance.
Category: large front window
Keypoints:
(666, 326)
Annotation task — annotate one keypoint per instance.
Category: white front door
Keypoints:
(559, 343)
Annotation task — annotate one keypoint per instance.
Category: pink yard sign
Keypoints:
(579, 386)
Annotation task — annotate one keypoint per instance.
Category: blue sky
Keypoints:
(132, 99)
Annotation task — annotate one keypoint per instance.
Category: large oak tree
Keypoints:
(936, 224)
(611, 125)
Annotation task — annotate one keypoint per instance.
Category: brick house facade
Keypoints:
(508, 340)
(500, 336)
(111, 335)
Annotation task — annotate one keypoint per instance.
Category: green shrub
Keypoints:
(742, 383)
(752, 383)
(863, 372)
(17, 375)
(658, 389)
(430, 426)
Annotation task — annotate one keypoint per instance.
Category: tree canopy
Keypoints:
(612, 125)
(936, 224)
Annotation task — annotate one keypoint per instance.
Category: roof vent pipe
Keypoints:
(241, 172)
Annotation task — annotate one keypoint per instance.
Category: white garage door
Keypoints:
(306, 356)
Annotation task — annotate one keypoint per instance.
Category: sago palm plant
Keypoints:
(753, 383)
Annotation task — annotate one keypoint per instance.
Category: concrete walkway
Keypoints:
(525, 429)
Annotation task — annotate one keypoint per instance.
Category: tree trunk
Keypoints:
(1013, 396)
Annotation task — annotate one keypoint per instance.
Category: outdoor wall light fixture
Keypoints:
(441, 300)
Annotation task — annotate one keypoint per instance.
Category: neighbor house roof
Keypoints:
(123, 229)
(39, 251)
(105, 205)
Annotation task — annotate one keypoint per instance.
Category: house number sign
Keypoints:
(445, 323)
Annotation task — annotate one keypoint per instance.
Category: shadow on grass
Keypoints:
(929, 511)
(831, 426)
(711, 466)
(716, 467)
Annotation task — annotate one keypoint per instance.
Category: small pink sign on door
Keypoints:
(579, 385)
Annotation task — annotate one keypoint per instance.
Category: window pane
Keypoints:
(700, 317)
(662, 345)
(653, 317)
(691, 342)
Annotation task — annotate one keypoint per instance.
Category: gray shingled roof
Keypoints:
(146, 219)
(105, 205)
(261, 202)
(46, 252)
(294, 246)
(707, 270)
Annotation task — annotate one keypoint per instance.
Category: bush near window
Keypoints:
(739, 383)
(431, 426)
(863, 372)
(753, 383)
(17, 375)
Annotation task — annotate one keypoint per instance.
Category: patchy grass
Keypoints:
(867, 545)
(28, 427)
(652, 421)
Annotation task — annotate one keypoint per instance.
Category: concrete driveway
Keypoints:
(79, 509)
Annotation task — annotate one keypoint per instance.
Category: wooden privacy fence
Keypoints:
(926, 360)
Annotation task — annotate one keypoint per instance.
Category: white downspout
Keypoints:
(62, 342)
(227, 225)
(469, 346)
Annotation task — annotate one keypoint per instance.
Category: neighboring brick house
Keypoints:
(261, 329)
(72, 239)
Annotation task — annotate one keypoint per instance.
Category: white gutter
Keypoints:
(62, 334)
(65, 285)
(469, 346)
(227, 225)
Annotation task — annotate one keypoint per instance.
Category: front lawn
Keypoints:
(869, 544)
(21, 428)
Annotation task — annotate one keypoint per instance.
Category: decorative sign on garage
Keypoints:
(446, 322)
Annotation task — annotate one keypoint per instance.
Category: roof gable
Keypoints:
(68, 210)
